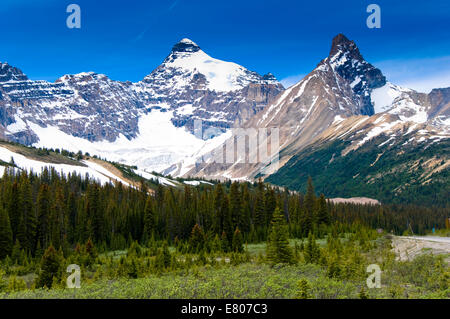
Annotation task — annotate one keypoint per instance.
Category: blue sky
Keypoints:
(127, 39)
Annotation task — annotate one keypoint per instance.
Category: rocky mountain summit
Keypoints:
(343, 111)
(89, 111)
(343, 87)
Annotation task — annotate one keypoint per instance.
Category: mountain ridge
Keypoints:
(339, 90)
(90, 111)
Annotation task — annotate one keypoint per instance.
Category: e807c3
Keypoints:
(246, 308)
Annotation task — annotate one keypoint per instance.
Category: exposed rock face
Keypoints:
(189, 84)
(197, 86)
(439, 111)
(348, 62)
(413, 106)
(9, 73)
(342, 86)
(86, 105)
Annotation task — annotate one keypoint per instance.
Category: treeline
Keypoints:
(39, 210)
(398, 219)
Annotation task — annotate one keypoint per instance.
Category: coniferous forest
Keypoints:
(203, 234)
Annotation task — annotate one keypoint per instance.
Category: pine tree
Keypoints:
(132, 268)
(29, 216)
(246, 209)
(235, 205)
(216, 245)
(323, 216)
(259, 219)
(95, 213)
(225, 242)
(16, 253)
(72, 216)
(50, 267)
(309, 206)
(163, 258)
(91, 251)
(6, 236)
(312, 251)
(13, 208)
(21, 234)
(218, 199)
(310, 197)
(149, 220)
(197, 239)
(43, 211)
(57, 219)
(238, 241)
(270, 204)
(278, 250)
(334, 267)
(226, 219)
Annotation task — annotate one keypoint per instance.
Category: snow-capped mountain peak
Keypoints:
(342, 87)
(186, 45)
(191, 65)
(10, 73)
(150, 123)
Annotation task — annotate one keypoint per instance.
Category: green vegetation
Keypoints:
(392, 174)
(152, 273)
(224, 240)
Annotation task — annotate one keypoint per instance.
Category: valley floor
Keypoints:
(425, 276)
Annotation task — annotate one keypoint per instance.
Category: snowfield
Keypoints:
(94, 171)
(158, 145)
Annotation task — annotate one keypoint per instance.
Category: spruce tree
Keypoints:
(16, 253)
(13, 208)
(6, 236)
(270, 204)
(226, 219)
(259, 219)
(309, 204)
(216, 245)
(163, 258)
(238, 241)
(310, 197)
(224, 242)
(43, 212)
(278, 250)
(217, 198)
(323, 216)
(197, 239)
(50, 267)
(312, 251)
(149, 220)
(91, 251)
(235, 205)
(246, 209)
(29, 215)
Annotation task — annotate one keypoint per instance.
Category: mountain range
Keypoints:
(344, 123)
(149, 123)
